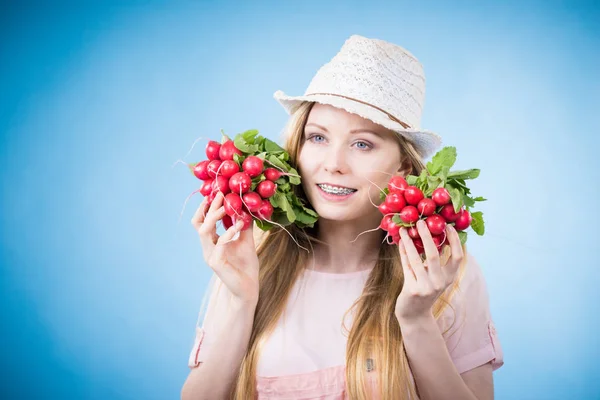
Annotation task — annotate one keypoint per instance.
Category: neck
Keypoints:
(344, 250)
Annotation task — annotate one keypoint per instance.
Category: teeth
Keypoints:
(336, 190)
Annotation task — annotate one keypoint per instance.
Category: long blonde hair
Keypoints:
(375, 333)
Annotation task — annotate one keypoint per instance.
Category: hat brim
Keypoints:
(425, 142)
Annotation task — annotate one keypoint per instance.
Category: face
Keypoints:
(342, 159)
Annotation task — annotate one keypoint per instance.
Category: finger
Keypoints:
(230, 233)
(208, 229)
(413, 257)
(457, 251)
(409, 275)
(431, 252)
(200, 214)
(248, 235)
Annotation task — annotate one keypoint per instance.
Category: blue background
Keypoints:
(101, 282)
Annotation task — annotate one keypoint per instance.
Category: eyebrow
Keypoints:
(352, 131)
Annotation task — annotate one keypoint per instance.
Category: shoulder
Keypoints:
(471, 279)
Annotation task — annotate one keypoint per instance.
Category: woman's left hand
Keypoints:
(424, 284)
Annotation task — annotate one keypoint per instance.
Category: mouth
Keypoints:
(336, 190)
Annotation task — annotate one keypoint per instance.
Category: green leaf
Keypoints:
(282, 202)
(294, 180)
(246, 147)
(466, 174)
(468, 201)
(444, 173)
(249, 136)
(479, 198)
(433, 182)
(224, 137)
(304, 219)
(284, 188)
(396, 219)
(458, 184)
(463, 236)
(272, 147)
(383, 193)
(457, 198)
(277, 162)
(238, 159)
(260, 142)
(264, 225)
(477, 223)
(446, 157)
(280, 218)
(310, 212)
(411, 180)
(422, 180)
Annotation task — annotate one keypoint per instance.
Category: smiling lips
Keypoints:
(333, 189)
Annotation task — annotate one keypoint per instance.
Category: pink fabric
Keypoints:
(304, 358)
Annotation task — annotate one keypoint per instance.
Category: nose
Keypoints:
(336, 160)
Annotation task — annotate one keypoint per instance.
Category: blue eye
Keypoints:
(316, 136)
(365, 147)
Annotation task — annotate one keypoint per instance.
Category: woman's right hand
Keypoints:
(235, 262)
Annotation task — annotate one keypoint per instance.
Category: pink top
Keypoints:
(304, 358)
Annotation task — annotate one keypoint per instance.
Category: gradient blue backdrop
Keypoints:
(101, 284)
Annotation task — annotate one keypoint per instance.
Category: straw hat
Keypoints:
(376, 80)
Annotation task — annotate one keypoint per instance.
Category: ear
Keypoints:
(405, 167)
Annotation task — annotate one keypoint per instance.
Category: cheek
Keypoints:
(306, 165)
(379, 176)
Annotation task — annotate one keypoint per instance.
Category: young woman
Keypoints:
(353, 317)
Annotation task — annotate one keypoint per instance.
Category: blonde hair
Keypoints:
(375, 333)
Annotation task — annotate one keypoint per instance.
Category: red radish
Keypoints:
(212, 150)
(413, 195)
(206, 187)
(440, 196)
(253, 166)
(439, 240)
(227, 151)
(266, 210)
(393, 229)
(240, 182)
(272, 174)
(409, 214)
(229, 168)
(395, 202)
(448, 213)
(213, 167)
(413, 232)
(397, 184)
(384, 208)
(227, 222)
(252, 201)
(419, 246)
(385, 221)
(221, 184)
(200, 170)
(245, 218)
(426, 207)
(266, 189)
(211, 196)
(396, 239)
(463, 221)
(436, 224)
(232, 204)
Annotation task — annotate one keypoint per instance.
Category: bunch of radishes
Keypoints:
(438, 196)
(250, 187)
